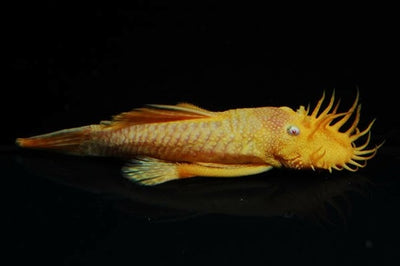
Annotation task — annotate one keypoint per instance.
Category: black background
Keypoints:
(103, 59)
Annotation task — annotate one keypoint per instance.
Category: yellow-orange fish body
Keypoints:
(230, 137)
(181, 141)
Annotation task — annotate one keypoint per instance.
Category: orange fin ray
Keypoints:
(151, 171)
(66, 140)
(156, 113)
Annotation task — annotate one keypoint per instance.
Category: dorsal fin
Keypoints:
(156, 113)
(195, 108)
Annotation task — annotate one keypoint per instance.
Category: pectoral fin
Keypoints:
(221, 170)
(151, 171)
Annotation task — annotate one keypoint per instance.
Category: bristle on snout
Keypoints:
(329, 118)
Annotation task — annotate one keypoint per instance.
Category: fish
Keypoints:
(162, 143)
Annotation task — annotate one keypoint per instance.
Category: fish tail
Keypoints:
(71, 140)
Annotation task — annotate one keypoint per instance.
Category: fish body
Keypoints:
(230, 137)
(167, 142)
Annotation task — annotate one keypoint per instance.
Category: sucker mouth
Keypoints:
(294, 162)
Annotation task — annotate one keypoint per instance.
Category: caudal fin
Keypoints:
(66, 140)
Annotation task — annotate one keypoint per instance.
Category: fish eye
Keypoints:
(293, 130)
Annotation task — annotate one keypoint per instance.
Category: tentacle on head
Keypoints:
(348, 114)
(355, 122)
(324, 121)
(359, 134)
(327, 109)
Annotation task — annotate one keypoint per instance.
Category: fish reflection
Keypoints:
(286, 193)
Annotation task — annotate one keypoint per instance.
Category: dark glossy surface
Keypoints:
(105, 59)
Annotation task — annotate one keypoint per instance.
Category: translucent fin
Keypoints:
(150, 171)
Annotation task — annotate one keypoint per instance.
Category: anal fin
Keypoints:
(151, 171)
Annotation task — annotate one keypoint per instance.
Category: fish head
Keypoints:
(317, 140)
